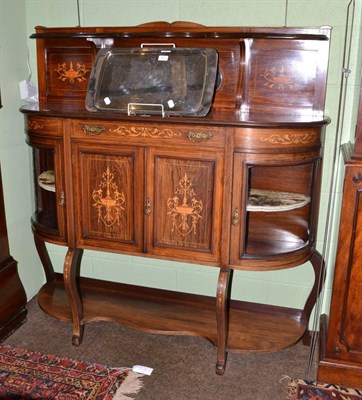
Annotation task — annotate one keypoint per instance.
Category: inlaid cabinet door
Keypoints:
(183, 204)
(109, 187)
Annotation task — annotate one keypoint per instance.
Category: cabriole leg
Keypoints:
(318, 265)
(44, 258)
(71, 271)
(319, 272)
(222, 301)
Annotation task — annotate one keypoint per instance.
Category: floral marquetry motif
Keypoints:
(183, 207)
(70, 74)
(34, 125)
(278, 78)
(143, 131)
(108, 200)
(294, 138)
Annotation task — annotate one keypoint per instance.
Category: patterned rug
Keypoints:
(299, 389)
(33, 375)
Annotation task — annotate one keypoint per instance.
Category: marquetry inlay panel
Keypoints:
(144, 131)
(107, 190)
(108, 200)
(68, 71)
(184, 209)
(49, 126)
(287, 138)
(73, 72)
(277, 138)
(280, 78)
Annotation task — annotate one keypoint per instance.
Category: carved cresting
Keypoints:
(184, 205)
(70, 74)
(108, 200)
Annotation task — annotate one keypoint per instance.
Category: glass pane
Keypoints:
(44, 183)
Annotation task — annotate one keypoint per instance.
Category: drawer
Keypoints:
(254, 139)
(150, 134)
(50, 126)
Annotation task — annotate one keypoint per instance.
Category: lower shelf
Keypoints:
(252, 327)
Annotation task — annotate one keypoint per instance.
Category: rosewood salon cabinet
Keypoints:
(228, 178)
(341, 342)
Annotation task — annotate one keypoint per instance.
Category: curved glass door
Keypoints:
(48, 189)
(275, 210)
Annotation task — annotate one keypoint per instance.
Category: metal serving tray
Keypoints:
(153, 81)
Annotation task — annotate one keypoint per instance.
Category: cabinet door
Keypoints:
(50, 203)
(275, 204)
(344, 339)
(109, 188)
(183, 204)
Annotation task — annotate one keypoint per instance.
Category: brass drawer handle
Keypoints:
(93, 130)
(199, 136)
(235, 221)
(148, 206)
(61, 199)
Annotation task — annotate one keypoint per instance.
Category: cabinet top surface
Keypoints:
(218, 118)
(184, 29)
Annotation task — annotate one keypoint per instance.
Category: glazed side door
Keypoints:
(109, 182)
(183, 203)
(48, 220)
(274, 209)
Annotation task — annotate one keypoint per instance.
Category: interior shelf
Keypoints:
(174, 313)
(274, 201)
(260, 247)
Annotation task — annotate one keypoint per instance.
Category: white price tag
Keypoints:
(142, 369)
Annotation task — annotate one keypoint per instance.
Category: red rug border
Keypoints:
(295, 384)
(98, 378)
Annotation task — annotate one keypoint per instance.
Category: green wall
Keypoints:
(14, 154)
(19, 17)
